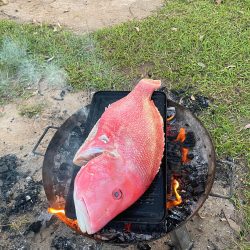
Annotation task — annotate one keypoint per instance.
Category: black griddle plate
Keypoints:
(151, 207)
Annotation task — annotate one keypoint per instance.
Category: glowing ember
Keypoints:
(127, 227)
(60, 213)
(178, 199)
(184, 155)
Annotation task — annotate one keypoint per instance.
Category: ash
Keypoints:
(196, 103)
(19, 195)
(60, 242)
(25, 201)
(8, 174)
(73, 243)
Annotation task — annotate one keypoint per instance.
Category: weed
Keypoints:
(31, 110)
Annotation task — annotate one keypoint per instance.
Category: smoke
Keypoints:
(18, 70)
(28, 72)
(11, 54)
(54, 75)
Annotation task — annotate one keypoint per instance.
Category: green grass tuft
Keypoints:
(31, 110)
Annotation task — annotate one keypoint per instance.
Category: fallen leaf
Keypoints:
(35, 92)
(234, 225)
(192, 98)
(174, 29)
(230, 66)
(201, 37)
(218, 2)
(200, 216)
(137, 29)
(201, 64)
(50, 59)
(247, 126)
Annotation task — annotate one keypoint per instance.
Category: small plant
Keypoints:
(31, 110)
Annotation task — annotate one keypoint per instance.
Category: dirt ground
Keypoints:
(78, 15)
(18, 135)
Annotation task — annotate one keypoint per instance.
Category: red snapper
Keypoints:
(119, 159)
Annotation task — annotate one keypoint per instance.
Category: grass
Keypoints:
(31, 110)
(203, 47)
(42, 45)
(20, 71)
(194, 44)
(176, 43)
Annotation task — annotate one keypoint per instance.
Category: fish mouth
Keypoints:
(82, 215)
(82, 158)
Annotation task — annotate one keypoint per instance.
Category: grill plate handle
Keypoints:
(40, 139)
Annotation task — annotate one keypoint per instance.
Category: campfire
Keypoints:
(183, 185)
(178, 199)
(60, 213)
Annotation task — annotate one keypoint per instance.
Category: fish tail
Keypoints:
(146, 87)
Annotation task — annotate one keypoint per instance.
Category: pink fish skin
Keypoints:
(119, 159)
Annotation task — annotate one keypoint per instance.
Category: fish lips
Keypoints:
(82, 215)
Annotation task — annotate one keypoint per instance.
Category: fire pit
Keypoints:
(185, 179)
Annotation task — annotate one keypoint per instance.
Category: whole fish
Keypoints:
(119, 159)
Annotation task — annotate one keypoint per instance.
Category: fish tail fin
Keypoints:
(147, 86)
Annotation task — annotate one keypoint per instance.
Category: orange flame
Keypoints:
(184, 151)
(178, 199)
(60, 213)
(52, 210)
(182, 135)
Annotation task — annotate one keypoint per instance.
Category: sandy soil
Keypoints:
(18, 135)
(79, 15)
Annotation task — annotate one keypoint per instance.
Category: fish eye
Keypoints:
(117, 194)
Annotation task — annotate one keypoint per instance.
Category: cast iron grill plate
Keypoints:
(151, 207)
